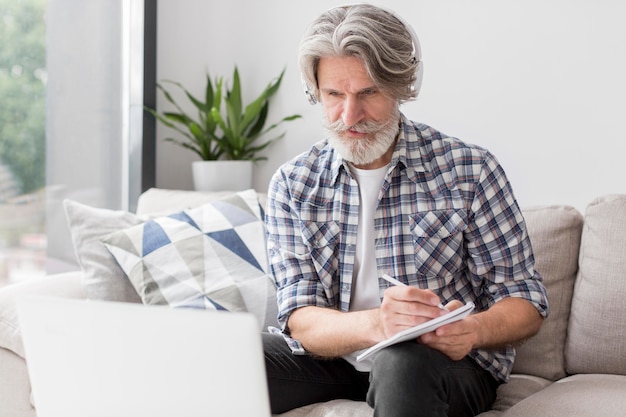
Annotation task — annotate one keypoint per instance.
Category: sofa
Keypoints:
(574, 366)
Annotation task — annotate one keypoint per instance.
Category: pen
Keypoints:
(402, 284)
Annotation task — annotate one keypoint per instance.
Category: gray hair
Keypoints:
(376, 36)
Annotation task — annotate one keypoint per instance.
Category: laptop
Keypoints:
(110, 359)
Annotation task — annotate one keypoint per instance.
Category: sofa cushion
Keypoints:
(210, 257)
(103, 278)
(555, 235)
(516, 389)
(579, 395)
(597, 327)
(15, 393)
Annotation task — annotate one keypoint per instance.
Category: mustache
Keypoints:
(338, 126)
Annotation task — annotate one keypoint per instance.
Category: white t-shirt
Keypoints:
(365, 289)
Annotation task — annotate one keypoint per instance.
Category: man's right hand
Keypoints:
(405, 307)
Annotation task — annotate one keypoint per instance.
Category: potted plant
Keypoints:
(228, 135)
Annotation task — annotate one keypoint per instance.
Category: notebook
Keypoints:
(97, 359)
(415, 332)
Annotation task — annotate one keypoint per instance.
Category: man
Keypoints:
(384, 195)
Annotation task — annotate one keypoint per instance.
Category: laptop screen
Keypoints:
(88, 358)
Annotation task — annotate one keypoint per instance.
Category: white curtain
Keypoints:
(90, 110)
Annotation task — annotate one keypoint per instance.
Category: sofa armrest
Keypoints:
(15, 392)
(66, 285)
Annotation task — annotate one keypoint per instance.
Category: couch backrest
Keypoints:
(555, 236)
(159, 200)
(597, 326)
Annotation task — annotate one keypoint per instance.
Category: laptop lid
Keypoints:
(104, 359)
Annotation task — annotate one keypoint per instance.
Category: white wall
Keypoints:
(540, 83)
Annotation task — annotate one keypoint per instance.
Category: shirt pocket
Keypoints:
(322, 240)
(438, 241)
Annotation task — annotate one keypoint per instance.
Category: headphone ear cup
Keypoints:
(419, 75)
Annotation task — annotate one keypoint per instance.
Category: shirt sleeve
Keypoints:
(498, 243)
(289, 256)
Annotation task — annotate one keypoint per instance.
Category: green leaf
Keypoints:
(201, 106)
(285, 119)
(261, 117)
(217, 101)
(177, 118)
(273, 87)
(253, 110)
(208, 94)
(234, 95)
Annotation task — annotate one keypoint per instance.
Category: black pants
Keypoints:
(407, 379)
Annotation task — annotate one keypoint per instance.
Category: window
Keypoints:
(22, 139)
(72, 88)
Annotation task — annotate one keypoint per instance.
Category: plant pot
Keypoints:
(222, 175)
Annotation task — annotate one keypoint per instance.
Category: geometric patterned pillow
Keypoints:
(209, 257)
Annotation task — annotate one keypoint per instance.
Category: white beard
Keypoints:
(380, 137)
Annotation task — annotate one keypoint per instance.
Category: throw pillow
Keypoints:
(210, 257)
(103, 279)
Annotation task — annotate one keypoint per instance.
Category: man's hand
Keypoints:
(455, 340)
(507, 322)
(405, 307)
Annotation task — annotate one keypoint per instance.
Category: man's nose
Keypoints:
(352, 111)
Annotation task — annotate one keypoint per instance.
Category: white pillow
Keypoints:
(103, 279)
(210, 257)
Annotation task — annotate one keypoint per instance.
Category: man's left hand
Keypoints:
(455, 340)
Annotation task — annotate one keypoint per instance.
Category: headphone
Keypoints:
(417, 57)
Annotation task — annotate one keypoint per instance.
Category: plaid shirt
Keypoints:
(446, 220)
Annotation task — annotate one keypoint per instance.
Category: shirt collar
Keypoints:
(408, 149)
